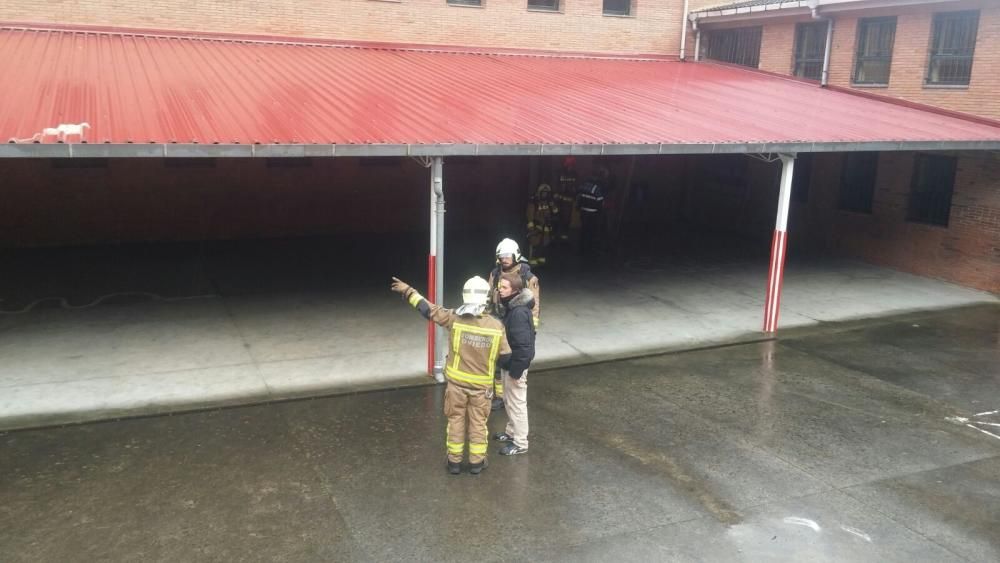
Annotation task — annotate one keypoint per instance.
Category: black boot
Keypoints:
(497, 404)
(476, 468)
(454, 467)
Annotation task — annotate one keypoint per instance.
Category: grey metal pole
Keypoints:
(825, 77)
(441, 339)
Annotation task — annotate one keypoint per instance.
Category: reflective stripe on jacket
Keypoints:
(477, 342)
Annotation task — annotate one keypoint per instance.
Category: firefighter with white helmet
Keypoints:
(478, 346)
(509, 260)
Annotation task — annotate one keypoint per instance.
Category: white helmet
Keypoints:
(475, 293)
(508, 246)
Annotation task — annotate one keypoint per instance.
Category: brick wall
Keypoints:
(966, 252)
(909, 58)
(580, 26)
(135, 200)
(776, 47)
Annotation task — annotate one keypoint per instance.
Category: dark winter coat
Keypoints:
(520, 332)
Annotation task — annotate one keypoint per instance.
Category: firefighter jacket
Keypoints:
(542, 215)
(590, 198)
(520, 332)
(476, 343)
(530, 281)
(566, 187)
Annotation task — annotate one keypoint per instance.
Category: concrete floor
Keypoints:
(89, 334)
(839, 443)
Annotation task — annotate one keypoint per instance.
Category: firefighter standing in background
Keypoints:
(509, 260)
(590, 200)
(542, 214)
(478, 345)
(564, 198)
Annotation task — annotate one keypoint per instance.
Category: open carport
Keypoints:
(260, 193)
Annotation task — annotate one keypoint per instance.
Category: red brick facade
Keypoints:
(653, 27)
(133, 200)
(967, 251)
(909, 56)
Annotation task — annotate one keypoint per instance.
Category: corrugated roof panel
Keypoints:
(163, 89)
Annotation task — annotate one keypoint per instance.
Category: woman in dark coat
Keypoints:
(518, 301)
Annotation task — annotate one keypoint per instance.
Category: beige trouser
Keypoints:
(515, 400)
(467, 410)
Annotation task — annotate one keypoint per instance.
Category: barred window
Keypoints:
(738, 46)
(932, 186)
(952, 48)
(617, 7)
(546, 5)
(810, 43)
(857, 181)
(873, 61)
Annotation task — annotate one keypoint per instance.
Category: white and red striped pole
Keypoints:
(435, 269)
(779, 245)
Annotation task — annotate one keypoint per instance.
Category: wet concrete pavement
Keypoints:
(96, 333)
(836, 443)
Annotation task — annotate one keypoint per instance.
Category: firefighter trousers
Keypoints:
(467, 411)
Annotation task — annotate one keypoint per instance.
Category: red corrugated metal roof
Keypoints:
(140, 88)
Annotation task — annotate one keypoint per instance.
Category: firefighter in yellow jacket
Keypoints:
(543, 214)
(477, 346)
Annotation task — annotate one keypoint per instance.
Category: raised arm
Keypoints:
(430, 311)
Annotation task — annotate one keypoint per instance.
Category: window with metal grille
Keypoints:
(738, 46)
(932, 186)
(466, 2)
(952, 48)
(617, 7)
(810, 43)
(874, 56)
(857, 181)
(801, 177)
(546, 5)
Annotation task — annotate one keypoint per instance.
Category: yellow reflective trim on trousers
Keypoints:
(453, 447)
(477, 449)
(415, 299)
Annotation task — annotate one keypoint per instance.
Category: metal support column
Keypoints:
(437, 338)
(779, 243)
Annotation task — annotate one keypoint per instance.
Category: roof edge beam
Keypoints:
(83, 150)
